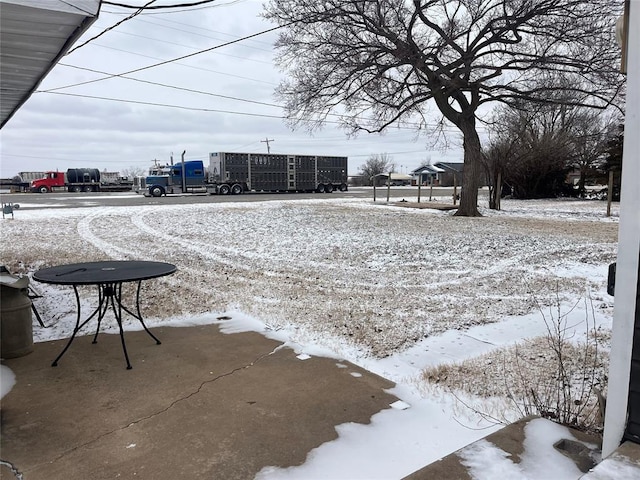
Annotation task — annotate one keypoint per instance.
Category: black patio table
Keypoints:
(108, 276)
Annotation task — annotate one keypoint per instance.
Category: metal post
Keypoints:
(388, 187)
(498, 193)
(609, 193)
(184, 174)
(455, 188)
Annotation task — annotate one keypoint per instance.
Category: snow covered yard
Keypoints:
(398, 291)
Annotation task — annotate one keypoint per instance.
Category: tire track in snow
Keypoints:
(85, 231)
(215, 253)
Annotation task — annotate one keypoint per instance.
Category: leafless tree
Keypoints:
(534, 146)
(133, 171)
(376, 63)
(590, 146)
(376, 164)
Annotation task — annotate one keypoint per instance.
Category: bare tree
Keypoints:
(589, 145)
(133, 171)
(375, 165)
(534, 146)
(497, 157)
(379, 62)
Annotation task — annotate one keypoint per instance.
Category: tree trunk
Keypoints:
(582, 181)
(495, 188)
(472, 169)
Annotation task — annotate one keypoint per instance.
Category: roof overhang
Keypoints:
(34, 35)
(431, 169)
(394, 176)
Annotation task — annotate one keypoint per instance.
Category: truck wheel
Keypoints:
(156, 191)
(328, 188)
(343, 187)
(43, 189)
(75, 189)
(236, 189)
(320, 188)
(88, 189)
(224, 190)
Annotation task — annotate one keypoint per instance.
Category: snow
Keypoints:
(619, 467)
(393, 290)
(488, 462)
(7, 380)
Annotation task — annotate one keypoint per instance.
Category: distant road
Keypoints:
(77, 200)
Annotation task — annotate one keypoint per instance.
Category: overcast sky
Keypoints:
(60, 128)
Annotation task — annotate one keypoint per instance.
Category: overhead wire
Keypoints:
(146, 14)
(231, 112)
(186, 46)
(194, 67)
(158, 7)
(174, 87)
(165, 62)
(109, 29)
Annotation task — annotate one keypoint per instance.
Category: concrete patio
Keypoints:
(201, 405)
(204, 404)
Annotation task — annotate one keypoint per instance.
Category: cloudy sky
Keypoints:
(220, 100)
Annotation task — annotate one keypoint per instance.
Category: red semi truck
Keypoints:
(81, 180)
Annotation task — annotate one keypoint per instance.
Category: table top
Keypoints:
(94, 273)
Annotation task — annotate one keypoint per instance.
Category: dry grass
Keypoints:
(531, 377)
(377, 278)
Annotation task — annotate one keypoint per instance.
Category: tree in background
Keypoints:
(376, 164)
(497, 156)
(589, 146)
(132, 172)
(613, 156)
(536, 145)
(377, 63)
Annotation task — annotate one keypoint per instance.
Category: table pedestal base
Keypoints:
(109, 294)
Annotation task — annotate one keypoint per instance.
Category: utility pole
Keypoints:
(267, 140)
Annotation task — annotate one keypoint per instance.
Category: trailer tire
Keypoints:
(43, 189)
(328, 188)
(88, 189)
(156, 191)
(236, 189)
(75, 189)
(343, 187)
(224, 189)
(320, 188)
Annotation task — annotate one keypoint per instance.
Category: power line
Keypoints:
(110, 28)
(195, 27)
(192, 9)
(187, 46)
(177, 63)
(231, 112)
(231, 42)
(190, 90)
(158, 7)
(259, 115)
(191, 32)
(166, 105)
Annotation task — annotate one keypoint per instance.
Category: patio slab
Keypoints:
(202, 405)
